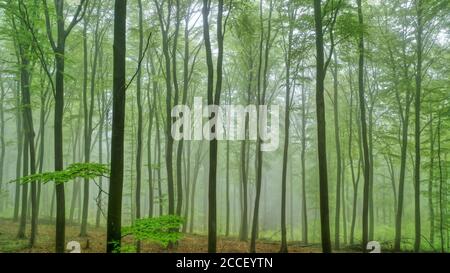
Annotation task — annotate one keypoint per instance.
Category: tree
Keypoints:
(417, 128)
(117, 141)
(59, 47)
(362, 116)
(338, 152)
(261, 100)
(213, 94)
(2, 136)
(164, 24)
(292, 14)
(25, 68)
(140, 127)
(321, 68)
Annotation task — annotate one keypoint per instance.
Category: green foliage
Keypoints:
(163, 230)
(76, 170)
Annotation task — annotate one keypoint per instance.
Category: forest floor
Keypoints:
(95, 242)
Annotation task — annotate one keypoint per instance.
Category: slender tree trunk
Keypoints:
(75, 187)
(304, 211)
(2, 139)
(430, 181)
(441, 182)
(100, 159)
(158, 148)
(321, 132)
(338, 154)
(42, 123)
(29, 133)
(243, 233)
(213, 99)
(283, 247)
(20, 141)
(362, 107)
(176, 99)
(165, 26)
(370, 108)
(371, 181)
(103, 123)
(187, 170)
(227, 185)
(24, 207)
(139, 129)
(87, 132)
(344, 201)
(194, 183)
(392, 174)
(417, 129)
(261, 98)
(150, 167)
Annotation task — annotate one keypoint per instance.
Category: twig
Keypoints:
(140, 61)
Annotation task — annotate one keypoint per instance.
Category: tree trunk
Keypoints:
(176, 98)
(24, 207)
(338, 154)
(227, 185)
(261, 98)
(430, 181)
(213, 99)
(168, 76)
(362, 107)
(150, 167)
(417, 129)
(20, 141)
(139, 129)
(117, 142)
(29, 133)
(321, 130)
(2, 139)
(58, 133)
(304, 211)
(283, 247)
(441, 182)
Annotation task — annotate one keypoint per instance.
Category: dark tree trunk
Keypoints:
(362, 107)
(213, 99)
(113, 239)
(321, 132)
(283, 247)
(404, 146)
(75, 187)
(59, 55)
(417, 129)
(19, 155)
(441, 185)
(227, 185)
(176, 99)
(2, 139)
(261, 98)
(24, 207)
(430, 181)
(169, 139)
(149, 148)
(29, 134)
